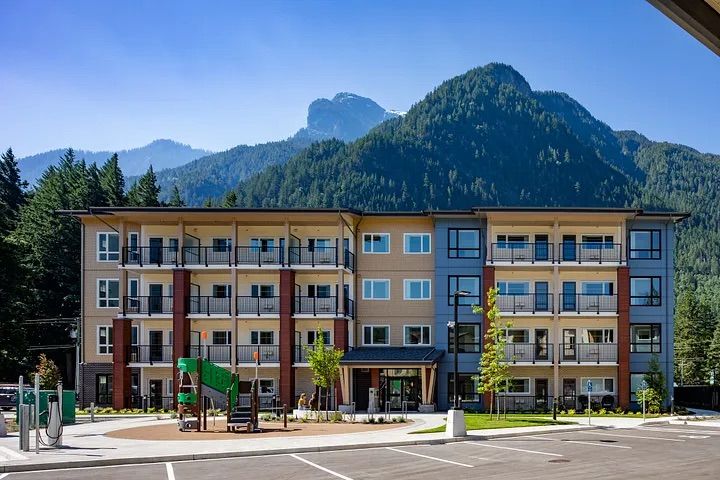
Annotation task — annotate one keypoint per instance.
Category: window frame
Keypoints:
(108, 345)
(659, 289)
(365, 293)
(327, 334)
(457, 249)
(417, 234)
(107, 252)
(526, 392)
(372, 344)
(478, 344)
(228, 337)
(460, 299)
(583, 386)
(428, 340)
(108, 383)
(651, 344)
(107, 299)
(463, 377)
(650, 250)
(372, 252)
(259, 336)
(406, 283)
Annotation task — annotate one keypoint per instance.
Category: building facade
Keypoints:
(589, 294)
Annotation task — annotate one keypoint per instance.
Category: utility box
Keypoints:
(373, 400)
(68, 405)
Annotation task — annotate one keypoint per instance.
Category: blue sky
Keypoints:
(112, 75)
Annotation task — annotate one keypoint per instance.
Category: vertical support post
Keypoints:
(287, 337)
(284, 415)
(37, 413)
(623, 345)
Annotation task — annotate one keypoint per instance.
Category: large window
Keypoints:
(645, 338)
(636, 380)
(108, 247)
(103, 389)
(376, 289)
(417, 289)
(599, 385)
(104, 340)
(467, 387)
(467, 283)
(263, 291)
(468, 338)
(262, 337)
(312, 334)
(417, 335)
(221, 337)
(417, 243)
(463, 243)
(513, 288)
(519, 386)
(108, 293)
(645, 245)
(221, 244)
(599, 335)
(376, 243)
(645, 291)
(376, 335)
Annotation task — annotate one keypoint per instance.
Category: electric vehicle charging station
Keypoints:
(51, 409)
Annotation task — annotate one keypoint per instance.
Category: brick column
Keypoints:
(488, 282)
(623, 345)
(287, 338)
(340, 332)
(375, 378)
(121, 338)
(181, 322)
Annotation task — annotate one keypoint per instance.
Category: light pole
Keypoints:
(456, 420)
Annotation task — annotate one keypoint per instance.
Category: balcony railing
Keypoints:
(301, 352)
(208, 305)
(259, 256)
(313, 256)
(349, 307)
(147, 305)
(600, 400)
(150, 354)
(165, 402)
(258, 305)
(525, 303)
(588, 303)
(349, 260)
(155, 255)
(521, 252)
(215, 255)
(316, 305)
(590, 252)
(529, 352)
(264, 353)
(588, 353)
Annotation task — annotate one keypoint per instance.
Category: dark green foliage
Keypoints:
(655, 378)
(112, 182)
(230, 200)
(12, 194)
(144, 192)
(694, 328)
(175, 198)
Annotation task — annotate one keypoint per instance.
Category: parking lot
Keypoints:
(667, 451)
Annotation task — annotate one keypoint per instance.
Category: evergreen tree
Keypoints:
(714, 355)
(144, 192)
(95, 194)
(112, 182)
(655, 378)
(12, 191)
(230, 200)
(208, 203)
(694, 328)
(175, 198)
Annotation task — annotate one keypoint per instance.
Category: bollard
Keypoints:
(284, 415)
(554, 408)
(24, 427)
(145, 403)
(92, 412)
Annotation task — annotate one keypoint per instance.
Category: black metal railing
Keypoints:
(587, 303)
(528, 352)
(525, 303)
(521, 252)
(208, 305)
(150, 354)
(510, 402)
(314, 256)
(214, 255)
(590, 252)
(142, 256)
(259, 256)
(349, 260)
(349, 307)
(258, 305)
(316, 305)
(608, 401)
(264, 353)
(301, 352)
(212, 353)
(588, 353)
(147, 305)
(157, 402)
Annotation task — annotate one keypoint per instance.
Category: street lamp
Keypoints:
(456, 397)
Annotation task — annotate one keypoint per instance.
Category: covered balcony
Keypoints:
(583, 303)
(588, 353)
(531, 303)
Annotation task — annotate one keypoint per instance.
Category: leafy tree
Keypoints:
(325, 365)
(230, 200)
(144, 192)
(653, 400)
(494, 368)
(49, 373)
(694, 328)
(655, 378)
(112, 182)
(175, 198)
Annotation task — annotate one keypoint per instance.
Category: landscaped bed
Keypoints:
(481, 421)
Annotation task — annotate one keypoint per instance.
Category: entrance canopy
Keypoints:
(391, 356)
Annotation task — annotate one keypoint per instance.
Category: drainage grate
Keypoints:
(559, 460)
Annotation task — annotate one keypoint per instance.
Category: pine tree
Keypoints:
(175, 198)
(145, 191)
(208, 203)
(714, 355)
(655, 378)
(95, 194)
(694, 328)
(12, 191)
(112, 182)
(230, 200)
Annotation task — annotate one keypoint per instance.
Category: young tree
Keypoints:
(230, 200)
(655, 378)
(112, 182)
(144, 192)
(175, 198)
(494, 368)
(49, 373)
(325, 365)
(694, 327)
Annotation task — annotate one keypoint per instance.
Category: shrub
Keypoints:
(619, 410)
(398, 419)
(381, 420)
(336, 416)
(571, 411)
(602, 411)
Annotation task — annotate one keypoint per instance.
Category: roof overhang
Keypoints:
(392, 357)
(700, 18)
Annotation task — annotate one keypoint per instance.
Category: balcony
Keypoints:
(590, 252)
(587, 303)
(212, 353)
(529, 353)
(526, 303)
(258, 305)
(588, 353)
(264, 353)
(147, 305)
(259, 256)
(314, 256)
(567, 253)
(150, 256)
(207, 305)
(521, 252)
(207, 256)
(316, 306)
(150, 354)
(301, 352)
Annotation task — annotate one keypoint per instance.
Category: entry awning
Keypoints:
(392, 356)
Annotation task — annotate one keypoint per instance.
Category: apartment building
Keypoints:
(589, 293)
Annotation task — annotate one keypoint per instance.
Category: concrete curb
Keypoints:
(107, 462)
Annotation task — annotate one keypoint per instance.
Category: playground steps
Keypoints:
(240, 416)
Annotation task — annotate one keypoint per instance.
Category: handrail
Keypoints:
(528, 302)
(588, 353)
(590, 252)
(150, 354)
(315, 305)
(314, 256)
(209, 305)
(259, 255)
(529, 352)
(584, 302)
(521, 252)
(150, 255)
(207, 255)
(258, 305)
(147, 305)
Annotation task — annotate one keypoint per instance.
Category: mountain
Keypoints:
(159, 153)
(346, 117)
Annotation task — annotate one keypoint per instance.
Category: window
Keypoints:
(221, 337)
(221, 244)
(417, 289)
(262, 244)
(319, 291)
(264, 291)
(318, 244)
(376, 335)
(513, 288)
(645, 338)
(469, 284)
(135, 335)
(463, 243)
(645, 245)
(103, 389)
(467, 387)
(512, 241)
(376, 243)
(417, 335)
(312, 334)
(519, 386)
(108, 247)
(221, 291)
(376, 289)
(645, 291)
(599, 385)
(597, 288)
(108, 293)
(267, 385)
(417, 242)
(468, 338)
(262, 337)
(599, 335)
(518, 335)
(636, 380)
(104, 340)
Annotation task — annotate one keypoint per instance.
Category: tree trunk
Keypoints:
(327, 404)
(492, 400)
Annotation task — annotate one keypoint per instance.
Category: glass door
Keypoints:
(155, 301)
(569, 347)
(155, 338)
(541, 344)
(156, 245)
(568, 248)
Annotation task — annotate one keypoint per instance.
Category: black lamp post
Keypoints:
(456, 398)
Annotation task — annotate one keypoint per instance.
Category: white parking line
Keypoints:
(431, 458)
(577, 442)
(11, 455)
(514, 449)
(320, 467)
(3, 475)
(678, 430)
(632, 436)
(170, 472)
(694, 437)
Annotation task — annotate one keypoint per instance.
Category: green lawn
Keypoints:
(480, 421)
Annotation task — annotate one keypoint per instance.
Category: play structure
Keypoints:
(196, 375)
